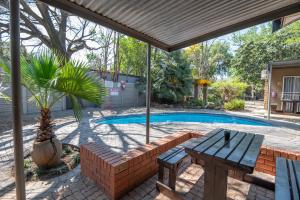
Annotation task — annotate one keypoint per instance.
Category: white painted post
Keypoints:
(270, 88)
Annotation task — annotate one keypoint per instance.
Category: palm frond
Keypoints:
(75, 80)
(76, 107)
(49, 77)
(2, 95)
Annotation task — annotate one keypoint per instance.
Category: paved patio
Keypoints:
(189, 184)
(119, 138)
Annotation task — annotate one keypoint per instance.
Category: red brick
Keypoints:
(292, 156)
(260, 160)
(270, 151)
(118, 174)
(277, 153)
(270, 163)
(284, 154)
(263, 151)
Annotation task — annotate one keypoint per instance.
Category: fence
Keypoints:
(27, 106)
(116, 98)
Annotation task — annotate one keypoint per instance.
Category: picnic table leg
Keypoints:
(215, 182)
(172, 178)
(161, 173)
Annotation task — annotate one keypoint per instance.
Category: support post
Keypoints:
(148, 93)
(269, 92)
(17, 97)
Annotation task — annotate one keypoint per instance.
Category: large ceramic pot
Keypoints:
(47, 154)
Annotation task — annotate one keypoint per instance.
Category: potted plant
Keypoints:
(49, 78)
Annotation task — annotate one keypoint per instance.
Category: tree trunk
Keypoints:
(196, 91)
(45, 128)
(204, 90)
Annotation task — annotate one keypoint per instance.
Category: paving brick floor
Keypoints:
(189, 184)
(120, 138)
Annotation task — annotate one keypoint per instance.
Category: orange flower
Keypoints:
(203, 82)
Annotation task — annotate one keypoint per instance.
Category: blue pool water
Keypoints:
(181, 117)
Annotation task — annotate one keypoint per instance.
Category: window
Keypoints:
(291, 88)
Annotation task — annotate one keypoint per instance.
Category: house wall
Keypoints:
(277, 84)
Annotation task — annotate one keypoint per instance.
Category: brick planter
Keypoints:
(117, 174)
(267, 159)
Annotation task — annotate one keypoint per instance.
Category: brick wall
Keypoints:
(267, 159)
(117, 174)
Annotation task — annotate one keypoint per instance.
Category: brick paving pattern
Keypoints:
(189, 183)
(119, 138)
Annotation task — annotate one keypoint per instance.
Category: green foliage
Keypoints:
(132, 56)
(49, 78)
(235, 104)
(172, 79)
(27, 163)
(215, 98)
(192, 103)
(209, 59)
(2, 94)
(66, 150)
(3, 80)
(259, 46)
(76, 159)
(229, 89)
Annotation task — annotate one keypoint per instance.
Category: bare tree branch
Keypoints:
(50, 26)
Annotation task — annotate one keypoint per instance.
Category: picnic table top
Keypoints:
(287, 179)
(242, 149)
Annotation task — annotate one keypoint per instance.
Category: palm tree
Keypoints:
(49, 78)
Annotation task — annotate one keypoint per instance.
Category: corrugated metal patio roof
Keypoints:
(174, 24)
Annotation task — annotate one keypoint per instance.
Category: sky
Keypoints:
(82, 54)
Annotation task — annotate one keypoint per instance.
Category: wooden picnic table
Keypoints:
(287, 179)
(238, 153)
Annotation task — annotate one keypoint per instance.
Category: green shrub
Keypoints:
(235, 104)
(194, 103)
(230, 89)
(215, 97)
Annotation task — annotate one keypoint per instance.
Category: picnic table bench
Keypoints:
(287, 182)
(222, 152)
(171, 160)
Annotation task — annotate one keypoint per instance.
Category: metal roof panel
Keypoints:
(173, 24)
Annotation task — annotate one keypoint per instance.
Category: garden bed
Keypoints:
(70, 159)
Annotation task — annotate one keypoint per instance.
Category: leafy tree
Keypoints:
(172, 79)
(259, 46)
(49, 79)
(102, 59)
(220, 58)
(133, 56)
(209, 59)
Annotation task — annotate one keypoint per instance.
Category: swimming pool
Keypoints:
(182, 117)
